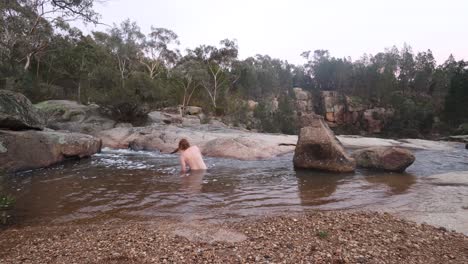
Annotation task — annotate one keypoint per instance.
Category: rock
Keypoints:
(251, 105)
(455, 178)
(384, 158)
(164, 118)
(376, 118)
(301, 95)
(317, 148)
(303, 102)
(75, 117)
(242, 148)
(193, 110)
(212, 140)
(190, 121)
(25, 150)
(17, 112)
(123, 125)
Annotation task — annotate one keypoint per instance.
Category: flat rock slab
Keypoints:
(450, 178)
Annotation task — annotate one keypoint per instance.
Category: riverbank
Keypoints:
(317, 237)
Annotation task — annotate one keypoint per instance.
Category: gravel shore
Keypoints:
(314, 237)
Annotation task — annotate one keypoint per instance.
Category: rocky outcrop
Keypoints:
(17, 112)
(213, 140)
(376, 118)
(158, 117)
(75, 117)
(243, 148)
(317, 148)
(303, 101)
(349, 114)
(384, 158)
(25, 150)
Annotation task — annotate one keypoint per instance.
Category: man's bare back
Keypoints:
(193, 158)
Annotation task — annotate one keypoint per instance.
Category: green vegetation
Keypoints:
(130, 72)
(322, 234)
(6, 203)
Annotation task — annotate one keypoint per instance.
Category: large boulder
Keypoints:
(25, 150)
(17, 112)
(75, 117)
(384, 158)
(317, 148)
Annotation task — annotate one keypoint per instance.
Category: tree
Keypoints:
(27, 26)
(157, 52)
(125, 44)
(186, 76)
(217, 62)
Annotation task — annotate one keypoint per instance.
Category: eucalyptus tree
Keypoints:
(27, 26)
(157, 51)
(217, 63)
(125, 43)
(186, 76)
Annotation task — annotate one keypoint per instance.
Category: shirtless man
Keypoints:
(191, 156)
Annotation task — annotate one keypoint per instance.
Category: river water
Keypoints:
(132, 186)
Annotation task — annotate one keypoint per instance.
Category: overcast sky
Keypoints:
(284, 29)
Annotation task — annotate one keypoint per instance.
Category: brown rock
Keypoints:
(17, 112)
(25, 150)
(317, 148)
(75, 117)
(384, 158)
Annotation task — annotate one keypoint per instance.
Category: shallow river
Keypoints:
(127, 185)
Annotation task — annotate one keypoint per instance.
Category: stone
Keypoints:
(384, 158)
(193, 110)
(301, 95)
(31, 149)
(375, 119)
(241, 148)
(213, 140)
(318, 148)
(75, 117)
(17, 112)
(251, 105)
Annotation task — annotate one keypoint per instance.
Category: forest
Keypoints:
(130, 72)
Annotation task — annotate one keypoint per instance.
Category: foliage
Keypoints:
(130, 72)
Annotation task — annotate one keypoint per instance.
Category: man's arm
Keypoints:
(182, 164)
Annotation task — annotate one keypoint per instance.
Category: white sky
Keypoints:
(284, 29)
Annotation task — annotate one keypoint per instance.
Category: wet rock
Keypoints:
(25, 150)
(242, 148)
(75, 117)
(212, 140)
(317, 148)
(384, 158)
(17, 112)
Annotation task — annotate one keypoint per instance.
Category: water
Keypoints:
(134, 186)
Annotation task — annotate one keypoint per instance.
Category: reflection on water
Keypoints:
(192, 181)
(315, 187)
(398, 183)
(143, 185)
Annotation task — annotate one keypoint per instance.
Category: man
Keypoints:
(191, 156)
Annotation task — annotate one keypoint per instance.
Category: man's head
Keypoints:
(184, 144)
